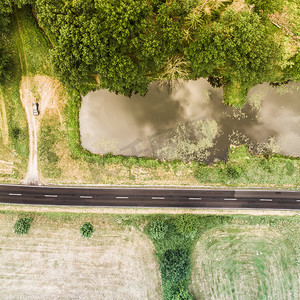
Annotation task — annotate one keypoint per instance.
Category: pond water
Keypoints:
(190, 122)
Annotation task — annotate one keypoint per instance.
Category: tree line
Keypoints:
(129, 44)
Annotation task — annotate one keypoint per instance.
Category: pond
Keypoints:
(190, 122)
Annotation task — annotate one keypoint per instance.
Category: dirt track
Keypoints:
(32, 87)
(45, 87)
(32, 173)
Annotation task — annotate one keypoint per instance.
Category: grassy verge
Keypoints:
(15, 113)
(235, 94)
(245, 169)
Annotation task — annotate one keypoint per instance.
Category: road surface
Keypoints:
(146, 197)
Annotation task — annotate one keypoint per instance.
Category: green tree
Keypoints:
(236, 48)
(175, 265)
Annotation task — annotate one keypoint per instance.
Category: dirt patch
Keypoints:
(53, 261)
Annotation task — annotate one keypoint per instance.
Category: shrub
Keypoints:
(175, 265)
(157, 229)
(182, 293)
(22, 226)
(233, 172)
(290, 168)
(187, 224)
(268, 6)
(87, 230)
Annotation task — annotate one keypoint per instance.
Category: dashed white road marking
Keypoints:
(121, 197)
(11, 194)
(195, 198)
(230, 199)
(158, 198)
(269, 200)
(298, 200)
(51, 196)
(86, 197)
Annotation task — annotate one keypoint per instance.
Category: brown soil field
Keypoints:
(54, 262)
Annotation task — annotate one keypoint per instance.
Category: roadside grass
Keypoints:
(53, 260)
(245, 169)
(243, 261)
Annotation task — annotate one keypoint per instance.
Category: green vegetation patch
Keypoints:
(22, 226)
(174, 238)
(34, 43)
(132, 43)
(86, 230)
(244, 168)
(48, 139)
(245, 261)
(15, 113)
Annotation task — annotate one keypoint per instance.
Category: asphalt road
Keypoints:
(146, 197)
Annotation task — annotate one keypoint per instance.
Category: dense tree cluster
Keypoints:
(131, 43)
(236, 48)
(122, 41)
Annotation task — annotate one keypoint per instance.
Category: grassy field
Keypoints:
(53, 260)
(242, 261)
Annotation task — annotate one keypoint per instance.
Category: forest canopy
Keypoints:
(126, 44)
